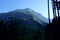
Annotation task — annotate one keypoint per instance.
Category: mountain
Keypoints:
(27, 17)
(36, 16)
(27, 23)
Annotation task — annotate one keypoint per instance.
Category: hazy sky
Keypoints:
(39, 6)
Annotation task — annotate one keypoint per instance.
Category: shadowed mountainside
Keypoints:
(22, 25)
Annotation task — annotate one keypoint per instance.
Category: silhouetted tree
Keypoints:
(53, 30)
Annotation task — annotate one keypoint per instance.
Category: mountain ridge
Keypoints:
(33, 13)
(24, 13)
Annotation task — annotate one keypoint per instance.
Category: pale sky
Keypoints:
(39, 6)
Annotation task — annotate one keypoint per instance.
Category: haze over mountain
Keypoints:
(37, 16)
